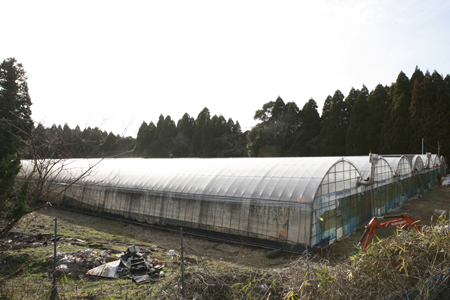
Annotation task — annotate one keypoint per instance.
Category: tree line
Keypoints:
(204, 136)
(390, 119)
(64, 142)
(387, 120)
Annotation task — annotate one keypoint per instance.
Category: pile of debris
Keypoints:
(137, 265)
(75, 264)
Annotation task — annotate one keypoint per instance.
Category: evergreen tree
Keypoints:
(396, 128)
(236, 128)
(442, 118)
(13, 198)
(416, 117)
(356, 134)
(166, 131)
(182, 146)
(219, 126)
(185, 126)
(203, 134)
(429, 102)
(309, 129)
(418, 74)
(378, 102)
(141, 135)
(351, 99)
(326, 110)
(15, 107)
(109, 144)
(227, 138)
(155, 149)
(149, 137)
(332, 135)
(291, 134)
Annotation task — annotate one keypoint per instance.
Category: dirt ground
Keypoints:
(126, 234)
(423, 207)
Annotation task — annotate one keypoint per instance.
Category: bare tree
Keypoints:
(45, 176)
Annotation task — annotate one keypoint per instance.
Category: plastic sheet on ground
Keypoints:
(109, 270)
(446, 182)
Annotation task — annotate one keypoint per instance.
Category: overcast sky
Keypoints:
(115, 64)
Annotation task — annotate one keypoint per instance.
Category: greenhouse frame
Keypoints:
(290, 203)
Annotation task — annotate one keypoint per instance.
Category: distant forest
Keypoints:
(387, 120)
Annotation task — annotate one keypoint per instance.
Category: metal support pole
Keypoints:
(422, 146)
(54, 293)
(372, 200)
(182, 265)
(307, 256)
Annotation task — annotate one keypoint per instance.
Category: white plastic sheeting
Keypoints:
(273, 179)
(417, 163)
(294, 201)
(382, 170)
(401, 165)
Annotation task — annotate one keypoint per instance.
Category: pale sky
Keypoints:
(115, 64)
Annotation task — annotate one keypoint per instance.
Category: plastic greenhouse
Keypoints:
(269, 202)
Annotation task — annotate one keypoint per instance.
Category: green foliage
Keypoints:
(396, 127)
(325, 280)
(15, 111)
(280, 132)
(332, 134)
(356, 127)
(378, 102)
(204, 137)
(64, 142)
(13, 198)
(185, 126)
(404, 261)
(309, 129)
(388, 119)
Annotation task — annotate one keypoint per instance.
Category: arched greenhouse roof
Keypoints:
(400, 164)
(427, 163)
(409, 157)
(361, 163)
(417, 163)
(273, 179)
(383, 168)
(435, 160)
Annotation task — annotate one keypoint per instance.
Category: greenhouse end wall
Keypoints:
(351, 206)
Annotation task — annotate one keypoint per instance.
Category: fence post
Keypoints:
(54, 294)
(182, 265)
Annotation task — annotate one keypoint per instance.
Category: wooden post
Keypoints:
(182, 265)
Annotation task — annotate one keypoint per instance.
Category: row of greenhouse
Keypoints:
(279, 202)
